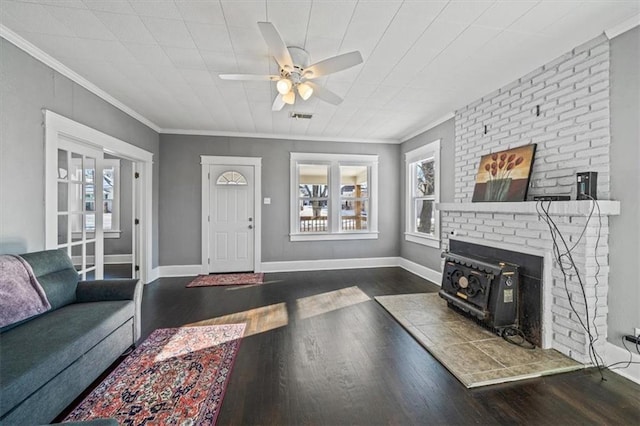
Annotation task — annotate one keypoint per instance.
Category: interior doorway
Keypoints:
(85, 196)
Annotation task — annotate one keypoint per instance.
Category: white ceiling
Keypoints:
(422, 59)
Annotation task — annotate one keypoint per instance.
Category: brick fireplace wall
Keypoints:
(572, 135)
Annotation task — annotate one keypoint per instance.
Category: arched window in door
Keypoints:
(231, 177)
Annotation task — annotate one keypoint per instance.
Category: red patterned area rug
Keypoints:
(176, 376)
(226, 279)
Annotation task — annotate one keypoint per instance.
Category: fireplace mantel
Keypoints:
(556, 208)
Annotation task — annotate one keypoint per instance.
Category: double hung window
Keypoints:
(422, 221)
(333, 196)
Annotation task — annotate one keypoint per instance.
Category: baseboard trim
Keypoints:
(614, 354)
(311, 265)
(153, 275)
(179, 271)
(421, 271)
(327, 264)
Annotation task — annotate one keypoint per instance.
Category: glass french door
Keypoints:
(80, 206)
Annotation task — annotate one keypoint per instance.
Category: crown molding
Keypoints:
(58, 66)
(429, 126)
(623, 27)
(273, 136)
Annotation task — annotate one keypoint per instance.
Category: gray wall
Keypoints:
(624, 247)
(26, 87)
(423, 255)
(180, 198)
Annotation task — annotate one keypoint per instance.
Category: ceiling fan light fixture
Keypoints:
(305, 91)
(289, 98)
(284, 86)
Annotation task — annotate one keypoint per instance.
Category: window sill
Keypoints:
(334, 237)
(423, 240)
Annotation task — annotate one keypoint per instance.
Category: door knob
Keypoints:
(250, 219)
(250, 226)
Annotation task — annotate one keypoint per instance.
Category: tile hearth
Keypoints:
(474, 355)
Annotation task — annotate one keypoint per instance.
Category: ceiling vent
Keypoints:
(300, 115)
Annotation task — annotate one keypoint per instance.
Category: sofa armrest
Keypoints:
(105, 290)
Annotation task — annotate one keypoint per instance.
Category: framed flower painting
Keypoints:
(504, 175)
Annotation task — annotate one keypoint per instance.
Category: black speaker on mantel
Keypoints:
(587, 184)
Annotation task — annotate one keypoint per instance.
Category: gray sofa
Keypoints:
(48, 360)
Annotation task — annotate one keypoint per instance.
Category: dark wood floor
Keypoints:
(357, 365)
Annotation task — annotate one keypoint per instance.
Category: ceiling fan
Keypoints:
(295, 70)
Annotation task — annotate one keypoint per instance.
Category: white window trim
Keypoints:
(334, 161)
(431, 150)
(115, 230)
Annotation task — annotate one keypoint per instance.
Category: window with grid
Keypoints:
(333, 196)
(422, 194)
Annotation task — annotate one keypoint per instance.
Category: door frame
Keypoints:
(209, 160)
(57, 125)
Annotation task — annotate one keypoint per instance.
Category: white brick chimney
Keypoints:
(572, 135)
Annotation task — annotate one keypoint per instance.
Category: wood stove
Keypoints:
(482, 288)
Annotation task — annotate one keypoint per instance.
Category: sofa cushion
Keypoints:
(38, 350)
(56, 274)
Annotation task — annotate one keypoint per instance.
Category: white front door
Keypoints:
(231, 218)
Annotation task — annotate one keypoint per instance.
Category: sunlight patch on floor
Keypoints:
(258, 320)
(322, 303)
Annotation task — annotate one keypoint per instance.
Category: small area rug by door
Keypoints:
(176, 376)
(226, 279)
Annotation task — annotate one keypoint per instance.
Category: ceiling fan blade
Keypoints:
(249, 77)
(278, 103)
(325, 94)
(276, 45)
(334, 64)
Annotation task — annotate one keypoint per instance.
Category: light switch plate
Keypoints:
(267, 200)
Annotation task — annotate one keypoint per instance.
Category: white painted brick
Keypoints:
(601, 48)
(533, 74)
(574, 113)
(571, 62)
(545, 92)
(600, 123)
(574, 95)
(558, 60)
(591, 61)
(594, 134)
(493, 237)
(574, 78)
(527, 233)
(559, 109)
(504, 231)
(594, 152)
(559, 157)
(574, 130)
(593, 115)
(592, 79)
(579, 146)
(559, 76)
(602, 66)
(533, 89)
(521, 88)
(545, 121)
(592, 98)
(572, 134)
(592, 44)
(600, 85)
(498, 99)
